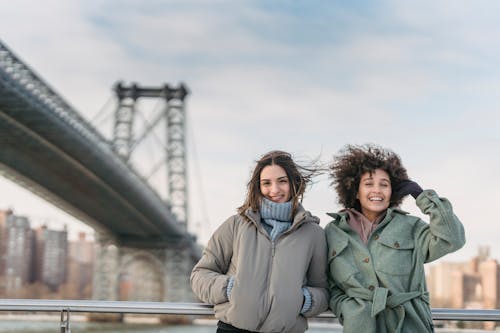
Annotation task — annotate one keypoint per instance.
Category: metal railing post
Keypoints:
(65, 324)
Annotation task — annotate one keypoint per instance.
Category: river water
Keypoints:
(53, 326)
(28, 326)
(49, 323)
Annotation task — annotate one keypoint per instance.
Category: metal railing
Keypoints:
(65, 307)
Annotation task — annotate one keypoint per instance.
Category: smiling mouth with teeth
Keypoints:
(376, 199)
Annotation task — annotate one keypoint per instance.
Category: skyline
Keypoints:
(419, 78)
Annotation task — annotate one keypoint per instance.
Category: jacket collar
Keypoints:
(301, 216)
(340, 218)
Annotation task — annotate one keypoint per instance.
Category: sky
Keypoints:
(419, 77)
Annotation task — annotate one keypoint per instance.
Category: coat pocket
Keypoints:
(395, 255)
(340, 260)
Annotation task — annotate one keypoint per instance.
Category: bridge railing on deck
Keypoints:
(65, 307)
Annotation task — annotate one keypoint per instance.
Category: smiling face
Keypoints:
(274, 183)
(374, 193)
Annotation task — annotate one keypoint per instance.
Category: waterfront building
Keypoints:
(3, 247)
(474, 284)
(33, 263)
(51, 253)
(445, 290)
(18, 254)
(80, 268)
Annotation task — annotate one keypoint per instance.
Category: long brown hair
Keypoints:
(298, 176)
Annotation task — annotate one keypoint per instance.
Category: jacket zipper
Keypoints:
(271, 264)
(269, 275)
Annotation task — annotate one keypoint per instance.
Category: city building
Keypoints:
(51, 253)
(18, 254)
(474, 284)
(80, 268)
(33, 263)
(3, 247)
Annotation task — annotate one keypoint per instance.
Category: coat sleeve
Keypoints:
(208, 278)
(316, 277)
(445, 233)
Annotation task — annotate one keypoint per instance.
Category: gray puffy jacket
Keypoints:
(268, 276)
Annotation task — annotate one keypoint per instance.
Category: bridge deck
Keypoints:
(48, 148)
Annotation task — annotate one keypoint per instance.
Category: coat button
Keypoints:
(371, 287)
(375, 236)
(334, 253)
(396, 245)
(367, 260)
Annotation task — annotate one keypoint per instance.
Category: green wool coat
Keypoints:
(380, 287)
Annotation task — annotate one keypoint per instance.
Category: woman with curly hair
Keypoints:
(264, 269)
(376, 252)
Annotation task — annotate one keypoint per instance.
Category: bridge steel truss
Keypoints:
(175, 154)
(47, 147)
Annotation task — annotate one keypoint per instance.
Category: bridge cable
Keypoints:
(155, 168)
(95, 121)
(197, 173)
(150, 128)
(153, 126)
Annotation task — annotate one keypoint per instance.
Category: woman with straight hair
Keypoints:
(264, 269)
(376, 252)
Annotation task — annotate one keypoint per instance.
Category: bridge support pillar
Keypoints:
(105, 282)
(179, 264)
(142, 274)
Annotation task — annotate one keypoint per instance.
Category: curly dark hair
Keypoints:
(299, 176)
(353, 161)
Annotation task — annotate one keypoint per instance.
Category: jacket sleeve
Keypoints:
(208, 278)
(316, 277)
(445, 233)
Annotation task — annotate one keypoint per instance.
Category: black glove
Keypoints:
(406, 187)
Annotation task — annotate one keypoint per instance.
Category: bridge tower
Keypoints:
(124, 140)
(163, 270)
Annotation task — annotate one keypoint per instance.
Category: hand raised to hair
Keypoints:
(407, 187)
